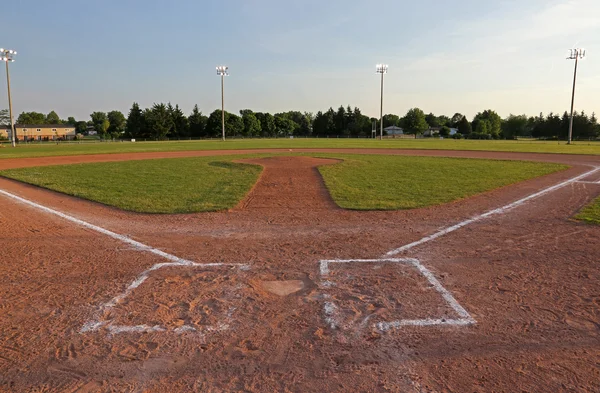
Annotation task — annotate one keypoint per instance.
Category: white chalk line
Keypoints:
(331, 311)
(480, 217)
(94, 325)
(137, 245)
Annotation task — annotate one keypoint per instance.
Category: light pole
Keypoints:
(381, 69)
(576, 54)
(223, 71)
(8, 55)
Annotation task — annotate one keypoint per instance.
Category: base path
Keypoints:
(255, 313)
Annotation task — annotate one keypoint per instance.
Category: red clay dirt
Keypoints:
(529, 277)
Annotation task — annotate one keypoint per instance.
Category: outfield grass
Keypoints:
(361, 182)
(183, 185)
(590, 213)
(42, 150)
(374, 182)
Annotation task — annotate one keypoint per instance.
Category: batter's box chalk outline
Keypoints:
(97, 324)
(331, 310)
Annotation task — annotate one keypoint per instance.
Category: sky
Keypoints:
(80, 56)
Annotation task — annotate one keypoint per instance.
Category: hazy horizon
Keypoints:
(468, 56)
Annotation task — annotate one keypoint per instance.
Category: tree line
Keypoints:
(165, 121)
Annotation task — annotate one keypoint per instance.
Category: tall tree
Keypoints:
(252, 125)
(267, 124)
(4, 117)
(284, 125)
(117, 124)
(52, 118)
(80, 127)
(234, 124)
(464, 126)
(494, 123)
(414, 122)
(31, 118)
(432, 120)
(515, 125)
(158, 121)
(391, 120)
(456, 119)
(181, 125)
(135, 122)
(71, 121)
(197, 123)
(99, 121)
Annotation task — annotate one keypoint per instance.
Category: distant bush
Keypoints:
(479, 135)
(458, 135)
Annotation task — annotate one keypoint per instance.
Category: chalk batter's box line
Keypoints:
(97, 324)
(464, 317)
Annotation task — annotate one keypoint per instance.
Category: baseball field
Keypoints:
(300, 266)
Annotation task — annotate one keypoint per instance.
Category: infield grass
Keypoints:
(373, 182)
(183, 185)
(590, 213)
(198, 184)
(63, 149)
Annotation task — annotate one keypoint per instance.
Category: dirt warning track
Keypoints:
(252, 311)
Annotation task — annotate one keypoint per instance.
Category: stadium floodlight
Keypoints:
(8, 56)
(381, 69)
(223, 71)
(575, 54)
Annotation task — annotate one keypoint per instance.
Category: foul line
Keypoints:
(139, 280)
(499, 210)
(137, 245)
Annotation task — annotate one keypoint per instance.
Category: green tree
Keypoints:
(391, 120)
(181, 125)
(52, 118)
(515, 125)
(213, 124)
(80, 127)
(117, 124)
(4, 117)
(456, 119)
(464, 126)
(432, 120)
(98, 121)
(197, 123)
(31, 118)
(414, 122)
(252, 125)
(158, 121)
(267, 124)
(234, 124)
(71, 121)
(445, 131)
(135, 124)
(493, 120)
(283, 125)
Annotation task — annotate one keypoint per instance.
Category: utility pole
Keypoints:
(7, 55)
(223, 71)
(576, 54)
(381, 69)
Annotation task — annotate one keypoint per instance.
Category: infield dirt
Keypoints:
(529, 277)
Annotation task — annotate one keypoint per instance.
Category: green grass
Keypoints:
(44, 150)
(401, 182)
(590, 213)
(362, 182)
(182, 185)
